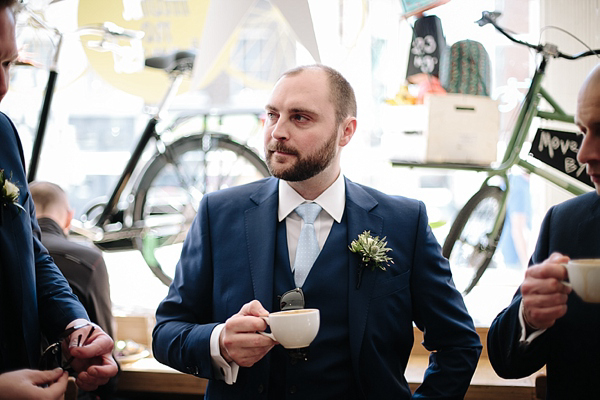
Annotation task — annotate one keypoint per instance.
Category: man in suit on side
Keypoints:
(546, 323)
(35, 298)
(240, 253)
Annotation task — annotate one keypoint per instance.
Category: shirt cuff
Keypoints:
(223, 370)
(524, 338)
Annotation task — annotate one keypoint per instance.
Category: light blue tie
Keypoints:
(308, 246)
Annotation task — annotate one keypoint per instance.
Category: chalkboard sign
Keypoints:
(559, 150)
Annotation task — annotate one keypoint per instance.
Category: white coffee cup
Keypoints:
(584, 278)
(294, 329)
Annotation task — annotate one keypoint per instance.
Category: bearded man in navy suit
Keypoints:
(546, 323)
(35, 298)
(238, 259)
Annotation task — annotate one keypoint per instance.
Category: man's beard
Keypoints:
(305, 167)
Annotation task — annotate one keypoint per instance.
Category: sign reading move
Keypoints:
(559, 150)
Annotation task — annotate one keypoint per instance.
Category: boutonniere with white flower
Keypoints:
(9, 192)
(372, 252)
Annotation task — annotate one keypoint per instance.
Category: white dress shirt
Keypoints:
(524, 338)
(333, 202)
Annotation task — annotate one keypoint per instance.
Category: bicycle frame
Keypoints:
(149, 133)
(47, 101)
(106, 29)
(525, 118)
(105, 223)
(529, 110)
(488, 205)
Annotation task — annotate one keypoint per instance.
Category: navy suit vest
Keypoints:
(327, 372)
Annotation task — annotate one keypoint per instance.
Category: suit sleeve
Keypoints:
(510, 358)
(57, 306)
(181, 337)
(439, 311)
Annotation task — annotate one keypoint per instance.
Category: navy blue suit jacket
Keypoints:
(228, 259)
(36, 298)
(571, 348)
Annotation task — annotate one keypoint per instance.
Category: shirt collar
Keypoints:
(48, 225)
(332, 200)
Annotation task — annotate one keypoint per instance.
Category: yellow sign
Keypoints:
(169, 26)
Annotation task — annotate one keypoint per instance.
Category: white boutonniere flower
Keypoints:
(9, 192)
(372, 252)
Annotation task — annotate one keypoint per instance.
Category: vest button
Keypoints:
(293, 389)
(261, 388)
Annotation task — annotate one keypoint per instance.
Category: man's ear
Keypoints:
(69, 216)
(348, 129)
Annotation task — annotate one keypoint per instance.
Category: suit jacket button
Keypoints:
(261, 388)
(192, 370)
(293, 389)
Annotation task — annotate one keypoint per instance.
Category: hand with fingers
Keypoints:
(544, 292)
(28, 384)
(90, 354)
(239, 341)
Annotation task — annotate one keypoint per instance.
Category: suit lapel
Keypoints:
(261, 232)
(359, 207)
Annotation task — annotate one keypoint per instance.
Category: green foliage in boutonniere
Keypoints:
(372, 252)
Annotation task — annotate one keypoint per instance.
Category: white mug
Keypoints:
(294, 329)
(584, 278)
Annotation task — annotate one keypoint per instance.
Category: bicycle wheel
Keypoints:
(469, 245)
(170, 188)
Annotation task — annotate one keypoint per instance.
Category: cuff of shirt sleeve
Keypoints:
(223, 370)
(525, 339)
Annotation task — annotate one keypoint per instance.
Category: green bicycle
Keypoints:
(473, 237)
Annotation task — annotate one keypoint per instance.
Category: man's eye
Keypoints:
(299, 118)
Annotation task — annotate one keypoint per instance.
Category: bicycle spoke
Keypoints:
(172, 185)
(469, 245)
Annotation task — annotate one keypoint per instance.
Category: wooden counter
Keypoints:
(148, 375)
(484, 385)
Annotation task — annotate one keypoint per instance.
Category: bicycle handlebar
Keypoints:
(490, 17)
(116, 30)
(110, 29)
(107, 28)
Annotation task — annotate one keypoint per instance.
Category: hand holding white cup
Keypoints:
(584, 278)
(294, 329)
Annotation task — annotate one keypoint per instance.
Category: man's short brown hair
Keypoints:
(341, 92)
